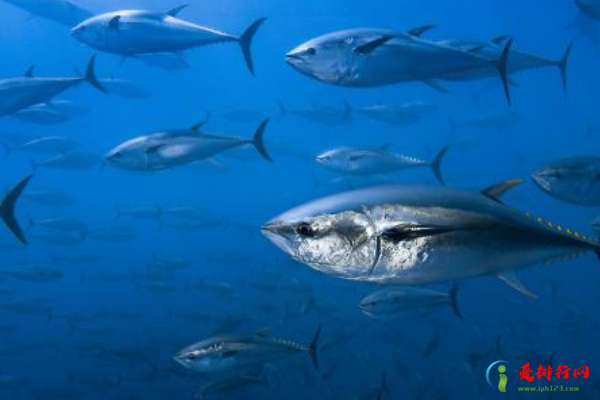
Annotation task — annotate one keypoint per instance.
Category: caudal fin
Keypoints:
(454, 301)
(7, 209)
(246, 43)
(313, 349)
(436, 164)
(258, 141)
(502, 67)
(90, 75)
(563, 65)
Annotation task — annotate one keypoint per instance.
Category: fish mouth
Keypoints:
(280, 234)
(179, 360)
(294, 59)
(540, 181)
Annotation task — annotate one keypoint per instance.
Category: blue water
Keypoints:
(124, 346)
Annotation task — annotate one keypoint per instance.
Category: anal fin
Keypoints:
(513, 281)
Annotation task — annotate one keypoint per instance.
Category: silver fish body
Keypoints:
(416, 235)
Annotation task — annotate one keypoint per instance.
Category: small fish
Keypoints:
(44, 145)
(64, 12)
(20, 93)
(356, 161)
(229, 352)
(72, 160)
(149, 212)
(112, 234)
(574, 180)
(174, 148)
(40, 114)
(48, 198)
(53, 113)
(59, 238)
(329, 116)
(185, 212)
(32, 274)
(132, 32)
(60, 224)
(124, 88)
(393, 115)
(402, 301)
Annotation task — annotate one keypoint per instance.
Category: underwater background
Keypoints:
(109, 328)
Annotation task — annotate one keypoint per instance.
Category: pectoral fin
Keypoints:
(371, 46)
(512, 280)
(411, 232)
(496, 191)
(435, 85)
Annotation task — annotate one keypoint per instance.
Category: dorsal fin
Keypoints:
(196, 127)
(372, 45)
(496, 191)
(384, 148)
(500, 39)
(264, 332)
(114, 22)
(29, 72)
(174, 11)
(420, 30)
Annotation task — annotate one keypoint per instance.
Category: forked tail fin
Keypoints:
(7, 209)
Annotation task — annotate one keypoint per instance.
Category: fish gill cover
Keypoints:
(299, 200)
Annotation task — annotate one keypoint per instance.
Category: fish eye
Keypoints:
(117, 154)
(311, 51)
(304, 229)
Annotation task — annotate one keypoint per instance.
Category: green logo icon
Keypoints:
(503, 378)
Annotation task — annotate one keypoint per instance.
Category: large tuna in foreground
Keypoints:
(417, 235)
